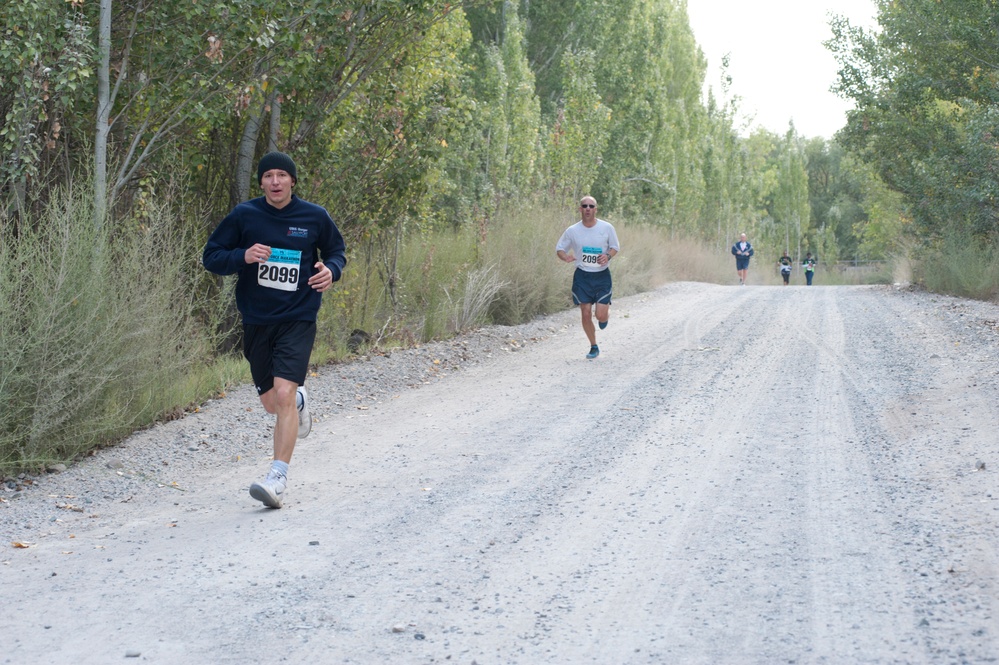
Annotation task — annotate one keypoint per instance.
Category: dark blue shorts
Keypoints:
(591, 287)
(742, 263)
(279, 350)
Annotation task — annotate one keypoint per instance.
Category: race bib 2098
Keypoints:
(590, 255)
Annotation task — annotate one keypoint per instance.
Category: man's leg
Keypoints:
(280, 401)
(586, 310)
(603, 313)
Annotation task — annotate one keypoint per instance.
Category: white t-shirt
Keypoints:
(587, 244)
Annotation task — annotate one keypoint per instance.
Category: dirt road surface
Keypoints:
(745, 475)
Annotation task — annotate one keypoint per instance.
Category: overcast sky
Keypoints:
(779, 66)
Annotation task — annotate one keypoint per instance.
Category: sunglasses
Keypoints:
(588, 205)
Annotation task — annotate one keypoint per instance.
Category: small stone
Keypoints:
(56, 468)
(980, 465)
(419, 636)
(115, 464)
(313, 542)
(132, 654)
(398, 628)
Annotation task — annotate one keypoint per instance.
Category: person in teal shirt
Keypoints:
(809, 264)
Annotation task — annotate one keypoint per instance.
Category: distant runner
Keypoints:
(275, 243)
(809, 264)
(590, 243)
(785, 264)
(742, 250)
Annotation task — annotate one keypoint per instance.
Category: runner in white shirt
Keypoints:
(590, 243)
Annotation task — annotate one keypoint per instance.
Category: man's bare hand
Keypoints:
(323, 279)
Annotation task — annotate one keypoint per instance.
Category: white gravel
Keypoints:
(745, 475)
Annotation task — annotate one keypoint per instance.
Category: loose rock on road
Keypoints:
(745, 475)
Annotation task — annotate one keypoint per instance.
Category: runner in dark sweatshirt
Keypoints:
(286, 253)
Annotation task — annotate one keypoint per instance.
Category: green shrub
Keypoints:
(96, 330)
(960, 265)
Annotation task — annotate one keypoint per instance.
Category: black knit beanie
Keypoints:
(276, 160)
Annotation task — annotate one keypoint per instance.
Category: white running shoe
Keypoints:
(304, 417)
(269, 491)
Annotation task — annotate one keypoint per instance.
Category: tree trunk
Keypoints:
(103, 113)
(244, 159)
(275, 126)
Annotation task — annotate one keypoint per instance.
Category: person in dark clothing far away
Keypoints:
(785, 265)
(742, 250)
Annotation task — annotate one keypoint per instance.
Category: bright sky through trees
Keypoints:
(779, 66)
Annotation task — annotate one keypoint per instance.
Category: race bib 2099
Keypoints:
(281, 271)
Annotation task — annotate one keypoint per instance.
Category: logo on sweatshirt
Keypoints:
(295, 232)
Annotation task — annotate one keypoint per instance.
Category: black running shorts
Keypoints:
(278, 350)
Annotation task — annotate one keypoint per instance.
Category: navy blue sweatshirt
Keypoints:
(277, 291)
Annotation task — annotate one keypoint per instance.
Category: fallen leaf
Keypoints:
(21, 546)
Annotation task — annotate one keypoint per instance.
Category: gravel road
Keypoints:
(745, 475)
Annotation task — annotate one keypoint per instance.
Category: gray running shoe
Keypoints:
(304, 417)
(269, 491)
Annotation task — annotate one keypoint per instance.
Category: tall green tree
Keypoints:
(187, 78)
(46, 63)
(791, 210)
(651, 74)
(924, 86)
(495, 153)
(578, 137)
